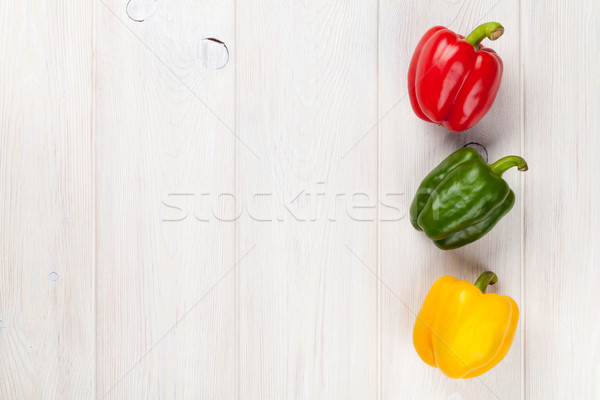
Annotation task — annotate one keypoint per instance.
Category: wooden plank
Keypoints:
(46, 192)
(306, 91)
(561, 85)
(409, 149)
(165, 288)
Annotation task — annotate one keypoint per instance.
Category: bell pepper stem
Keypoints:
(505, 163)
(485, 279)
(490, 30)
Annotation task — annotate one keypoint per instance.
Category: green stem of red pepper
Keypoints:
(505, 163)
(490, 30)
(485, 279)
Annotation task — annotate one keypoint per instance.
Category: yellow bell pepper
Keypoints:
(463, 331)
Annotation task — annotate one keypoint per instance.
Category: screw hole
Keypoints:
(53, 276)
(141, 10)
(213, 53)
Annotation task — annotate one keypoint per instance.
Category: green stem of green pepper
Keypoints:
(490, 30)
(485, 279)
(505, 163)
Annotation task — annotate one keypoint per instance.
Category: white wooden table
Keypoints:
(173, 227)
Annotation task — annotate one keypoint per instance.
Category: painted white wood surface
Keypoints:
(561, 96)
(174, 230)
(46, 201)
(163, 138)
(307, 306)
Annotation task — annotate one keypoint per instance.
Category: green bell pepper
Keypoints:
(463, 198)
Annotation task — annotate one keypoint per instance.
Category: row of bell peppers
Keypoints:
(453, 81)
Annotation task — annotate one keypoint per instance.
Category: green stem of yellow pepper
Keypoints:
(485, 279)
(505, 163)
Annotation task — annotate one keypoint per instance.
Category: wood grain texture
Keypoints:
(165, 153)
(562, 222)
(46, 197)
(306, 90)
(409, 149)
(213, 203)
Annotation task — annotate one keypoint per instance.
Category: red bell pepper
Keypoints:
(453, 80)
